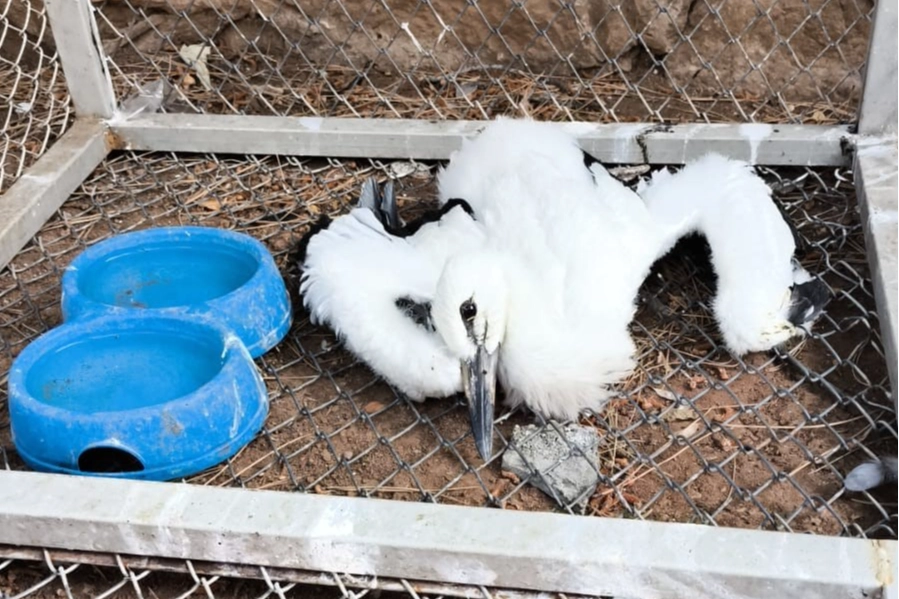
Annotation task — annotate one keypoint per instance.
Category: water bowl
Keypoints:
(159, 397)
(196, 271)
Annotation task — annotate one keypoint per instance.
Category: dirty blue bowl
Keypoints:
(188, 271)
(157, 397)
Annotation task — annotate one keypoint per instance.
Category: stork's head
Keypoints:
(469, 311)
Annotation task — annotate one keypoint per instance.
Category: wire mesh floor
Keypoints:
(697, 435)
(44, 574)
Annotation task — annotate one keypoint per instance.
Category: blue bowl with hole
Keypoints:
(186, 271)
(158, 397)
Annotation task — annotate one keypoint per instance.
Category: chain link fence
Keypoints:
(783, 61)
(695, 435)
(42, 574)
(34, 104)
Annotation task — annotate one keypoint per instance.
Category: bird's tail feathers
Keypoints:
(807, 302)
(370, 196)
(388, 206)
(381, 202)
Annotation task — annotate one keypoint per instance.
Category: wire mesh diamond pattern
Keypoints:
(651, 60)
(42, 574)
(696, 434)
(34, 104)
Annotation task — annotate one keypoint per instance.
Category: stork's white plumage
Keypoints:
(373, 288)
(538, 285)
(555, 285)
(764, 297)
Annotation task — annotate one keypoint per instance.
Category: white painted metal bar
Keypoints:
(80, 51)
(537, 551)
(878, 109)
(891, 591)
(27, 205)
(876, 164)
(435, 140)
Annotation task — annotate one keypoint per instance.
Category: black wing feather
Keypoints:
(419, 312)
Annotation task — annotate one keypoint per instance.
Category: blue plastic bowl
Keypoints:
(196, 271)
(158, 397)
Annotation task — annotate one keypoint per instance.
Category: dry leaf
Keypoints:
(312, 208)
(511, 476)
(649, 403)
(722, 413)
(691, 429)
(632, 499)
(499, 488)
(722, 442)
(664, 393)
(404, 168)
(695, 381)
(466, 89)
(195, 56)
(372, 407)
(679, 413)
(818, 116)
(211, 204)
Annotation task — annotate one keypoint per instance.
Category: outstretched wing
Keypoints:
(752, 245)
(374, 290)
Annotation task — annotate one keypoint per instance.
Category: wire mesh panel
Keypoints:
(40, 574)
(650, 60)
(696, 434)
(34, 103)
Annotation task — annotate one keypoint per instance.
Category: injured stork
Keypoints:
(529, 272)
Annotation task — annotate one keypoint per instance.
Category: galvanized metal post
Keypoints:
(877, 181)
(628, 143)
(80, 51)
(877, 112)
(876, 172)
(33, 199)
(473, 546)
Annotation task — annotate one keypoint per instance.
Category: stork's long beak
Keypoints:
(479, 380)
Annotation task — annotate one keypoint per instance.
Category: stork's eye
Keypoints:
(468, 310)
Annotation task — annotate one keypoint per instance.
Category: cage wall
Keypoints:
(36, 108)
(674, 60)
(697, 435)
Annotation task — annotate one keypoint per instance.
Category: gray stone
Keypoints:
(571, 474)
(659, 23)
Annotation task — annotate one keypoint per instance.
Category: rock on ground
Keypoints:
(570, 474)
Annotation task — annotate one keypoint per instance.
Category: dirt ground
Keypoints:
(697, 435)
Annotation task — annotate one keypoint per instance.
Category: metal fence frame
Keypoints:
(439, 543)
